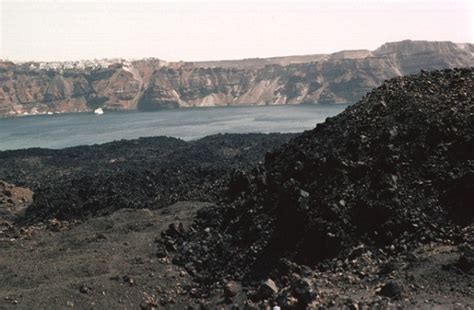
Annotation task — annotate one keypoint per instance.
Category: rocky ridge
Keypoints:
(151, 84)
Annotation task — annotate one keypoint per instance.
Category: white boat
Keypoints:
(99, 111)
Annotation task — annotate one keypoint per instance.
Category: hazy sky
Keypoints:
(205, 30)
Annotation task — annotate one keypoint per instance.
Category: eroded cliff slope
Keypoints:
(150, 84)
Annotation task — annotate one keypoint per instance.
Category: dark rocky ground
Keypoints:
(144, 173)
(69, 247)
(372, 209)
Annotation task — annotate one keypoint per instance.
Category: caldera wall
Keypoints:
(151, 84)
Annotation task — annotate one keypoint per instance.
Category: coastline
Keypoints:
(230, 106)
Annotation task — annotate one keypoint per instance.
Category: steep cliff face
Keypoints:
(28, 91)
(151, 84)
(413, 55)
(331, 81)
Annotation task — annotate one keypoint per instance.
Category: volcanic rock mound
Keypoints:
(392, 172)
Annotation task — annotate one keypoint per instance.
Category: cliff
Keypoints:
(150, 84)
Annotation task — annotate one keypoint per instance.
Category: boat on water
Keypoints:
(98, 111)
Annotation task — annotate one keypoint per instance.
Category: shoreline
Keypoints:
(5, 116)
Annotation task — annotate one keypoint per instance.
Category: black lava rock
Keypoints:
(85, 181)
(392, 171)
(391, 290)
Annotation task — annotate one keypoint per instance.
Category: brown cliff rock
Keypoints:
(151, 84)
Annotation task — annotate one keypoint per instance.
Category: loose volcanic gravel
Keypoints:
(390, 174)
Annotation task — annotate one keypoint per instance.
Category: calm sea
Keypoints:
(59, 131)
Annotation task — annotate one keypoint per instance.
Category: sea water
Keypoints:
(65, 130)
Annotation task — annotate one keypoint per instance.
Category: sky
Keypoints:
(228, 29)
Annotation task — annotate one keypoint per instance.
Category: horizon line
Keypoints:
(7, 59)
